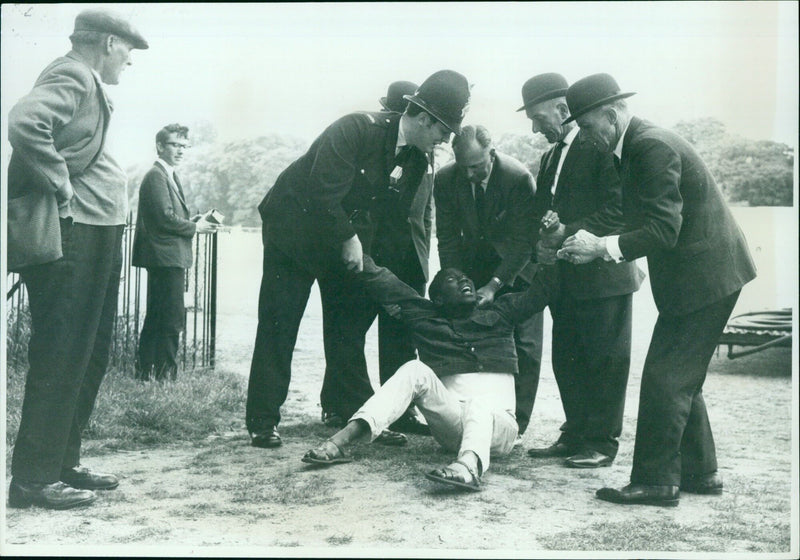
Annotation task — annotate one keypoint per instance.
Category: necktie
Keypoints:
(617, 163)
(480, 203)
(552, 166)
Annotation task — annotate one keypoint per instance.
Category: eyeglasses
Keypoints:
(177, 145)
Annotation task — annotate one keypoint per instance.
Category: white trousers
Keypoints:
(457, 423)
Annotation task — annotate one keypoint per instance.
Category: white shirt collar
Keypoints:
(170, 170)
(618, 149)
(570, 136)
(401, 137)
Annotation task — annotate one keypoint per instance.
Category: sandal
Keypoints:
(389, 437)
(322, 456)
(449, 476)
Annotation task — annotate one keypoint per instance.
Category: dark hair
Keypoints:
(435, 289)
(471, 133)
(175, 128)
(412, 110)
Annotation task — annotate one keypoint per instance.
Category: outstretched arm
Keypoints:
(400, 299)
(544, 288)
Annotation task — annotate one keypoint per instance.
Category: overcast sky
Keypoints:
(251, 69)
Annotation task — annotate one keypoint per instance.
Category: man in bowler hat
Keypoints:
(484, 215)
(579, 188)
(58, 133)
(698, 261)
(354, 186)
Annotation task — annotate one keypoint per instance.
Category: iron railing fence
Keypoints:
(198, 341)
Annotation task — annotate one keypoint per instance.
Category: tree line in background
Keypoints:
(234, 176)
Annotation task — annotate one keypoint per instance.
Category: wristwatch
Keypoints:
(497, 282)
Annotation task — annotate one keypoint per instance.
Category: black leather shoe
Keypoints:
(588, 460)
(408, 423)
(266, 437)
(710, 483)
(641, 494)
(558, 449)
(51, 496)
(81, 477)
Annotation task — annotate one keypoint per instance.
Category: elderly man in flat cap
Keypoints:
(698, 261)
(66, 213)
(352, 192)
(578, 187)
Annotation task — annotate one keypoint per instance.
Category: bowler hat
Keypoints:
(445, 95)
(394, 96)
(591, 92)
(104, 21)
(541, 88)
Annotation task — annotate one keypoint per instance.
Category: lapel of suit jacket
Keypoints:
(390, 142)
(573, 153)
(494, 196)
(173, 186)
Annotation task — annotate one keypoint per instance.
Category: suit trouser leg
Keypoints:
(69, 304)
(282, 299)
(568, 360)
(604, 330)
(528, 342)
(98, 362)
(347, 314)
(672, 430)
(163, 323)
(148, 341)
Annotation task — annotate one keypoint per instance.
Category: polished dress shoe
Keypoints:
(641, 494)
(81, 477)
(558, 449)
(56, 495)
(588, 460)
(265, 437)
(710, 483)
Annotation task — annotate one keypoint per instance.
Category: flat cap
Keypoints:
(104, 21)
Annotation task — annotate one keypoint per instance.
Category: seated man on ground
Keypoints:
(464, 383)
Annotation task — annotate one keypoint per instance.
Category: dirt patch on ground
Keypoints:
(220, 496)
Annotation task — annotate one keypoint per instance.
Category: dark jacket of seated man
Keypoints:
(460, 337)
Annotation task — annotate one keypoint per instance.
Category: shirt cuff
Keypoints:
(612, 248)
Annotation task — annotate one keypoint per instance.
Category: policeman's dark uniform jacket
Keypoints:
(698, 261)
(339, 188)
(592, 318)
(495, 245)
(398, 250)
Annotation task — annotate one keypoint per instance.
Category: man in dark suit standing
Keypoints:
(58, 133)
(318, 220)
(698, 261)
(484, 215)
(592, 316)
(163, 245)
